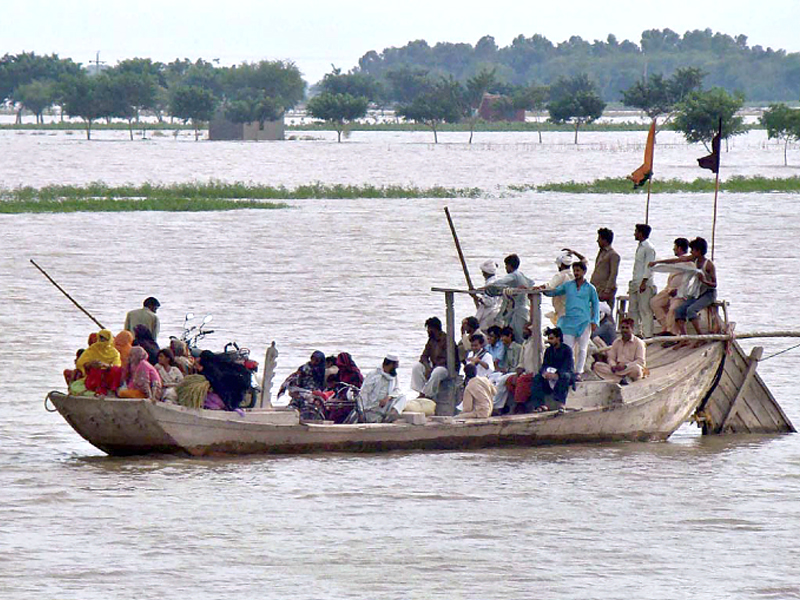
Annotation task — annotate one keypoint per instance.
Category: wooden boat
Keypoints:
(597, 411)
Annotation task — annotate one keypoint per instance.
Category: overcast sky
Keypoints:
(315, 33)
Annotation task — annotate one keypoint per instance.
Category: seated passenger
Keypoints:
(495, 345)
(506, 369)
(517, 386)
(380, 395)
(183, 360)
(469, 327)
(626, 358)
(101, 353)
(478, 395)
(123, 342)
(556, 375)
(141, 378)
(309, 377)
(665, 302)
(606, 331)
(229, 380)
(349, 372)
(170, 374)
(480, 356)
(144, 339)
(431, 370)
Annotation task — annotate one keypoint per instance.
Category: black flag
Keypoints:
(711, 162)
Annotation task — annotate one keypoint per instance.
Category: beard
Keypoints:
(392, 371)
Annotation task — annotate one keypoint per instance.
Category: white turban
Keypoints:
(489, 267)
(565, 259)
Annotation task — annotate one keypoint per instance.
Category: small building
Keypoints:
(222, 129)
(496, 107)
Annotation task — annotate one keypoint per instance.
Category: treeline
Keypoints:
(762, 75)
(189, 91)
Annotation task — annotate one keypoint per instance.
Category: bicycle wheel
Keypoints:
(311, 413)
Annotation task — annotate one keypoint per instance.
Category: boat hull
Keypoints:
(598, 412)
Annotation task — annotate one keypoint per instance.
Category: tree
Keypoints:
(22, 69)
(533, 98)
(337, 109)
(191, 103)
(354, 83)
(444, 103)
(474, 91)
(575, 100)
(85, 97)
(261, 91)
(782, 123)
(131, 92)
(406, 84)
(658, 95)
(36, 96)
(697, 117)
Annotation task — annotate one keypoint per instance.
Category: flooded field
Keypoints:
(689, 518)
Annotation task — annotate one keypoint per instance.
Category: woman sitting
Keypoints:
(144, 339)
(183, 360)
(123, 342)
(229, 380)
(100, 363)
(170, 374)
(141, 378)
(309, 377)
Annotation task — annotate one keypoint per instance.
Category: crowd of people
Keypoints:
(497, 348)
(132, 365)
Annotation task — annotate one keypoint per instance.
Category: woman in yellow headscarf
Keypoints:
(102, 351)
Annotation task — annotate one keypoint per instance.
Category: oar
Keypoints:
(71, 299)
(461, 255)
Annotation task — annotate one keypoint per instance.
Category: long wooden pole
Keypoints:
(714, 222)
(460, 254)
(647, 207)
(71, 299)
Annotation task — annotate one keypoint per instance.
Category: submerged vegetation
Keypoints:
(211, 196)
(620, 185)
(218, 196)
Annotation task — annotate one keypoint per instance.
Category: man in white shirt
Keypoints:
(480, 356)
(641, 288)
(380, 395)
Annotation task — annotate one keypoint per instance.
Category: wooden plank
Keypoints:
(755, 355)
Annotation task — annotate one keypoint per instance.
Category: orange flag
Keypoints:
(643, 173)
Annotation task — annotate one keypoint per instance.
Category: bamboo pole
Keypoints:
(461, 255)
(71, 299)
(714, 222)
(647, 206)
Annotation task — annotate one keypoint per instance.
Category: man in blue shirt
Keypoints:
(582, 313)
(556, 375)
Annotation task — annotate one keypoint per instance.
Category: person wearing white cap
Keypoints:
(488, 306)
(515, 308)
(607, 330)
(380, 395)
(564, 262)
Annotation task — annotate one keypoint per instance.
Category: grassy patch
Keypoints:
(210, 196)
(621, 185)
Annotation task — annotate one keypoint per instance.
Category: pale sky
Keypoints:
(315, 33)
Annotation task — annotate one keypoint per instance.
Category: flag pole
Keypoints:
(647, 208)
(714, 222)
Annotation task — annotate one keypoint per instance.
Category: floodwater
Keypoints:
(688, 518)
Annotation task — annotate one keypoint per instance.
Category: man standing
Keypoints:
(641, 288)
(144, 316)
(514, 309)
(478, 395)
(428, 374)
(555, 376)
(606, 267)
(488, 306)
(626, 358)
(582, 313)
(673, 295)
(380, 395)
(564, 262)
